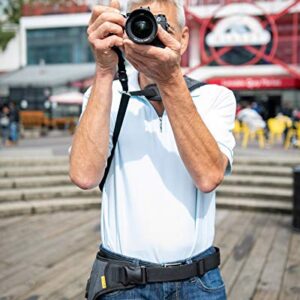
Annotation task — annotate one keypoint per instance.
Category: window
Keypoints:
(58, 45)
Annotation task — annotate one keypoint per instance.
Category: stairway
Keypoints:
(42, 185)
(260, 184)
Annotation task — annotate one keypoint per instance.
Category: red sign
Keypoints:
(256, 83)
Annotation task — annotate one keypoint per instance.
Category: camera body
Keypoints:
(142, 26)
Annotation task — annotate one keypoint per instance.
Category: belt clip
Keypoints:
(135, 275)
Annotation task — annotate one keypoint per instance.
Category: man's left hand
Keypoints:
(159, 64)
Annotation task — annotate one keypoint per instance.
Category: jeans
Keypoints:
(208, 287)
(14, 131)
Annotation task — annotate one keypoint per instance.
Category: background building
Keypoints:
(252, 47)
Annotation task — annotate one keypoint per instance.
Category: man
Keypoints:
(158, 203)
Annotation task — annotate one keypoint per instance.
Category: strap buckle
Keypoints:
(167, 265)
(134, 275)
(122, 76)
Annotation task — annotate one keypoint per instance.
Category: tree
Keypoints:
(12, 10)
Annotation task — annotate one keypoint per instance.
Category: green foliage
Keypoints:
(5, 37)
(12, 11)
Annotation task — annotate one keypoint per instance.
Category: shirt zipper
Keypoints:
(160, 122)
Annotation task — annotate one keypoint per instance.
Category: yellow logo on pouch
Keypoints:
(103, 282)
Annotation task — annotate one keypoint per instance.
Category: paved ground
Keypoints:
(50, 256)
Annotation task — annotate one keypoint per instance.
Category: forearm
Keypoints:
(197, 147)
(91, 140)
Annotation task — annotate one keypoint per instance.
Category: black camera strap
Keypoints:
(123, 78)
(150, 92)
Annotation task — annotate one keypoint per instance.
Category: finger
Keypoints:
(112, 17)
(115, 4)
(144, 50)
(136, 58)
(167, 39)
(98, 10)
(106, 29)
(108, 43)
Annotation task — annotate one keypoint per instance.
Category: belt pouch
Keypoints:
(101, 281)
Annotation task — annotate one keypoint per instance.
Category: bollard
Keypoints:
(296, 208)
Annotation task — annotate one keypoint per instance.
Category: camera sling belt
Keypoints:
(109, 275)
(150, 92)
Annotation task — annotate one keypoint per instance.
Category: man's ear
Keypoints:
(185, 36)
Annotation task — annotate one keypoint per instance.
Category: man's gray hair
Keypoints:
(177, 3)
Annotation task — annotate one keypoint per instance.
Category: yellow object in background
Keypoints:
(248, 134)
(293, 133)
(276, 129)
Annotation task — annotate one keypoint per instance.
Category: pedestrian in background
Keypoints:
(4, 124)
(251, 118)
(14, 123)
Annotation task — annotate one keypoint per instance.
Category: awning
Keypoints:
(257, 82)
(41, 76)
(67, 98)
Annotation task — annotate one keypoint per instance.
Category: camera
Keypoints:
(142, 26)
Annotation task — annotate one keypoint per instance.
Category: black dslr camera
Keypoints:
(141, 27)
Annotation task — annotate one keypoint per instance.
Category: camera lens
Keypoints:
(141, 28)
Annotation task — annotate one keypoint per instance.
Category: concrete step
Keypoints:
(61, 160)
(255, 192)
(63, 169)
(268, 161)
(255, 205)
(34, 171)
(48, 206)
(41, 193)
(262, 170)
(267, 181)
(33, 161)
(34, 182)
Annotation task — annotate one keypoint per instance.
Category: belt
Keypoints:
(128, 274)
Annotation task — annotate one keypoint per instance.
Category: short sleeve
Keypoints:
(220, 119)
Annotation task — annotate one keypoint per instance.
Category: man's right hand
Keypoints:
(104, 32)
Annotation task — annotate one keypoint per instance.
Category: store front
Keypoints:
(251, 47)
(273, 93)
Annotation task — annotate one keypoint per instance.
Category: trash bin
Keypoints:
(296, 207)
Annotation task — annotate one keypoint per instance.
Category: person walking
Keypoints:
(4, 124)
(14, 123)
(158, 201)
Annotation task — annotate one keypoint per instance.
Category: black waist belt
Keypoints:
(129, 274)
(111, 274)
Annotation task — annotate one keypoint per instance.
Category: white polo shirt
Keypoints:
(151, 208)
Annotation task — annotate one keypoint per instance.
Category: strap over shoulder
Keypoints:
(151, 91)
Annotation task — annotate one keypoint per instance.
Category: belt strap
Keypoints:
(141, 275)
